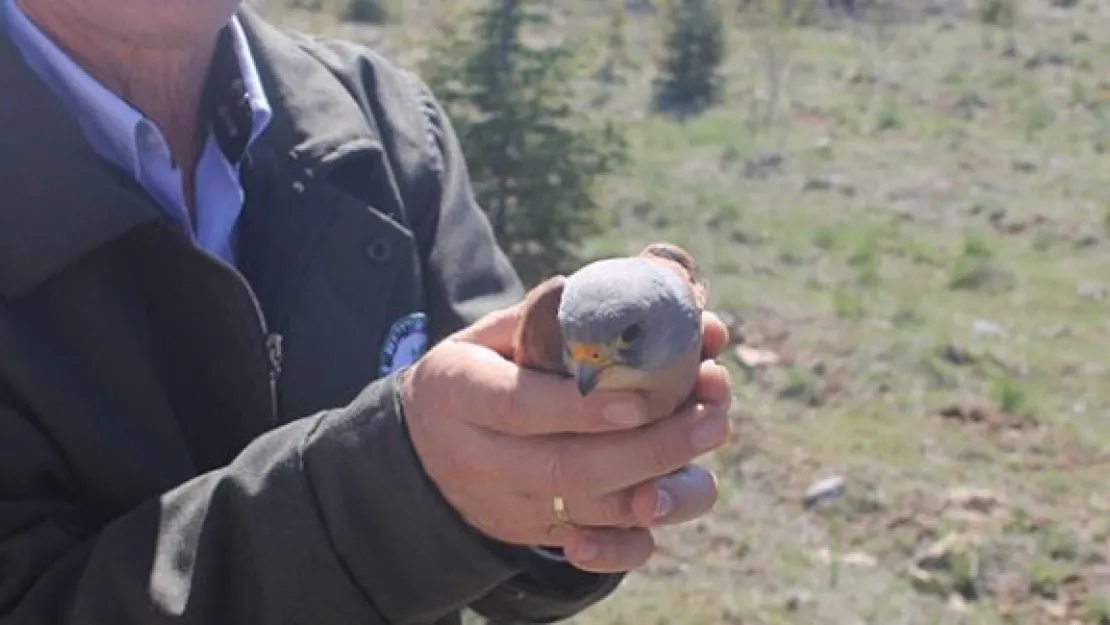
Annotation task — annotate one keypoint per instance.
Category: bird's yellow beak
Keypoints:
(589, 359)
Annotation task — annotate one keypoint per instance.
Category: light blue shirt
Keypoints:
(124, 136)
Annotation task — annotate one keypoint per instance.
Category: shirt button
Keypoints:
(378, 251)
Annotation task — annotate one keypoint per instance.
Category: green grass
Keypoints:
(919, 258)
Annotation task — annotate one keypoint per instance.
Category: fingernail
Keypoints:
(709, 432)
(622, 413)
(588, 550)
(663, 504)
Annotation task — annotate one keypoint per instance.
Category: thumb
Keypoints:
(496, 330)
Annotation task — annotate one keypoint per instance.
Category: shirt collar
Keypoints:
(317, 128)
(236, 86)
(114, 126)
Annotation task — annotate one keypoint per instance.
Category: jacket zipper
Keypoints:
(274, 356)
(272, 341)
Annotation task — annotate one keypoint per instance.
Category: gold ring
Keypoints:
(560, 508)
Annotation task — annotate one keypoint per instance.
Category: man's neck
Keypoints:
(165, 83)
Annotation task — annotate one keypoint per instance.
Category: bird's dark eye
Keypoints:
(631, 333)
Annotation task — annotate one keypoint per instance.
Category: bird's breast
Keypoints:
(664, 390)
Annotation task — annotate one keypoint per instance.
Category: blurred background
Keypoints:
(902, 209)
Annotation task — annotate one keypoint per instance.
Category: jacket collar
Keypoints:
(315, 117)
(60, 200)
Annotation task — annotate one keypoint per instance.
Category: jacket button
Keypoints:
(378, 251)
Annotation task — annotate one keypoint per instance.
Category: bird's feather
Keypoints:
(664, 390)
(539, 341)
(681, 262)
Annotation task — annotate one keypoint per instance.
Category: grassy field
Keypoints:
(913, 246)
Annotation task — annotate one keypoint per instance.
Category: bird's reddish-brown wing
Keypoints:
(683, 263)
(539, 341)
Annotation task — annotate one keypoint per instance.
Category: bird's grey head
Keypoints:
(625, 313)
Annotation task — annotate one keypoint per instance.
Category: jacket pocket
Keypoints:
(360, 288)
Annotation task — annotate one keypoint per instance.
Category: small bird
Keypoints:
(620, 324)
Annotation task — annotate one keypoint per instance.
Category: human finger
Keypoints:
(609, 550)
(678, 497)
(496, 330)
(595, 465)
(715, 335)
(505, 398)
(675, 498)
(713, 384)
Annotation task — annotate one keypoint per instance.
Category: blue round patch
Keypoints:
(405, 343)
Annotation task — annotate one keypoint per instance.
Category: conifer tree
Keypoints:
(370, 11)
(533, 154)
(694, 48)
(615, 57)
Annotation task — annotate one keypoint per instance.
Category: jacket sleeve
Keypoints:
(304, 526)
(467, 275)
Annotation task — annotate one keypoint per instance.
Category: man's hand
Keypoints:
(501, 442)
